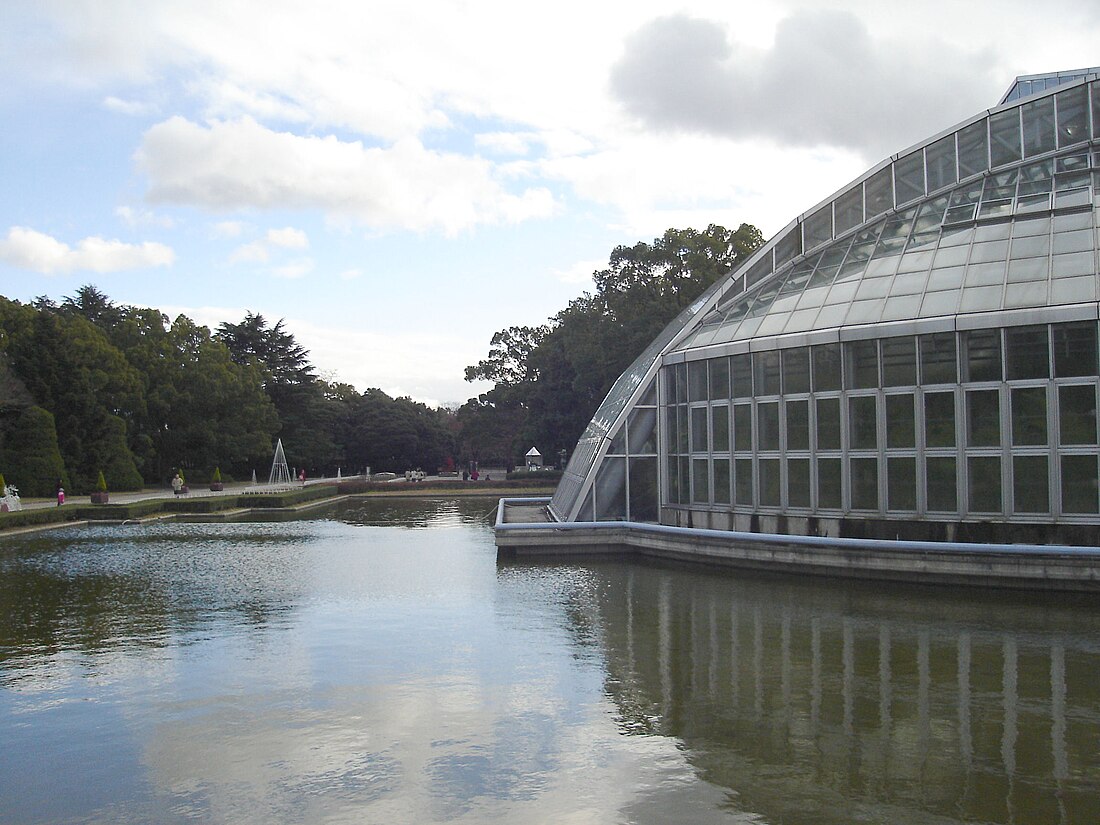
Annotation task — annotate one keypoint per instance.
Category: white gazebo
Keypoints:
(534, 459)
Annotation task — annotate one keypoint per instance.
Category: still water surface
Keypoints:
(378, 665)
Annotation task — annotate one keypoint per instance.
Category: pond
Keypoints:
(377, 664)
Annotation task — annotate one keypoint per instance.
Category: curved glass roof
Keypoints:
(994, 215)
(1019, 235)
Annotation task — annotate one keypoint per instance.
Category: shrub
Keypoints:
(32, 456)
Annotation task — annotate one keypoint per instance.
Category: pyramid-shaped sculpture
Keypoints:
(280, 473)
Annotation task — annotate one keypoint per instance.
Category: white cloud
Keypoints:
(288, 237)
(260, 251)
(134, 218)
(294, 269)
(351, 274)
(255, 252)
(505, 143)
(227, 229)
(133, 108)
(241, 164)
(37, 252)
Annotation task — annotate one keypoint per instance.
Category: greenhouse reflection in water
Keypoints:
(380, 664)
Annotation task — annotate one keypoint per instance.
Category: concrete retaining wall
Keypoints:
(1033, 567)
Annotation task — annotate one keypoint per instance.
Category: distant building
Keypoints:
(534, 459)
(915, 356)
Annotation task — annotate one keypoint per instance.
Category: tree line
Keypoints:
(550, 379)
(90, 386)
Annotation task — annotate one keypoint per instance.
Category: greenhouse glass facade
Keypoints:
(916, 356)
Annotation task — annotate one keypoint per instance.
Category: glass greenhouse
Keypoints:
(915, 357)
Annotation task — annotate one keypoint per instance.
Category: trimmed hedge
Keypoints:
(32, 518)
(535, 475)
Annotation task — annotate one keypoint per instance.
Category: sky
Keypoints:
(398, 181)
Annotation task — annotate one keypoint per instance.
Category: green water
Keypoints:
(378, 665)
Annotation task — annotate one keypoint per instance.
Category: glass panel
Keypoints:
(721, 481)
(742, 427)
(984, 491)
(1094, 90)
(766, 372)
(674, 491)
(682, 429)
(1027, 352)
(700, 481)
(864, 473)
(1038, 119)
(796, 370)
(798, 482)
(828, 423)
(939, 419)
(610, 490)
(1075, 349)
(826, 367)
(940, 157)
(829, 483)
(767, 423)
(862, 422)
(901, 428)
(720, 428)
(849, 210)
(618, 443)
(643, 489)
(1079, 484)
(643, 431)
(1077, 414)
(741, 374)
(899, 362)
(818, 228)
(681, 383)
(699, 441)
(788, 247)
(937, 358)
(1030, 484)
(769, 482)
(862, 369)
(1004, 138)
(671, 428)
(649, 397)
(1072, 116)
(909, 177)
(697, 381)
(742, 488)
(983, 355)
(901, 483)
(879, 190)
(942, 488)
(973, 151)
(1029, 416)
(797, 418)
(719, 378)
(983, 418)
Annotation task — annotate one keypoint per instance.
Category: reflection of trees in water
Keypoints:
(839, 700)
(98, 588)
(417, 512)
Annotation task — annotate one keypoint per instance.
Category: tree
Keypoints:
(560, 373)
(30, 455)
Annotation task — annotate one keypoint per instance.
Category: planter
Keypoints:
(216, 486)
(99, 498)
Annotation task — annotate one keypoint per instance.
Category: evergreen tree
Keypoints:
(30, 455)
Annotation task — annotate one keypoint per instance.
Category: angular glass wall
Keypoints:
(997, 422)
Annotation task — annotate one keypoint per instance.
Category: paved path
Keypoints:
(166, 492)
